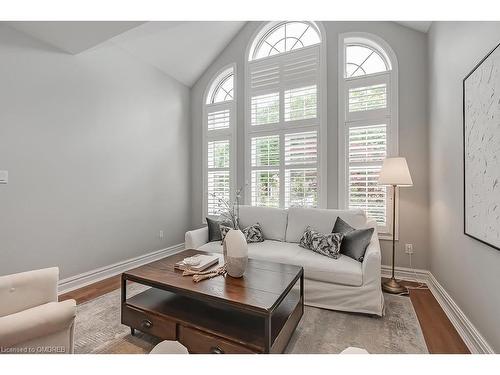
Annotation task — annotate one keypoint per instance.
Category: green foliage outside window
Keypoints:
(221, 155)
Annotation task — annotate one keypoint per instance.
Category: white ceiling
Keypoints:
(73, 37)
(422, 26)
(181, 49)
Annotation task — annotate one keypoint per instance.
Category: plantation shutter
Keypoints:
(219, 119)
(283, 129)
(218, 155)
(367, 150)
(367, 97)
(367, 122)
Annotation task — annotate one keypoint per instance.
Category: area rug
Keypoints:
(98, 329)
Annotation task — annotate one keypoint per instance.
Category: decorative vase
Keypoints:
(235, 251)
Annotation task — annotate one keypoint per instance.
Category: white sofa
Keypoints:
(31, 318)
(338, 284)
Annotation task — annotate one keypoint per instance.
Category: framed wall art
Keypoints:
(481, 132)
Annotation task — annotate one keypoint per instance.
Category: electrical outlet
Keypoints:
(409, 248)
(161, 235)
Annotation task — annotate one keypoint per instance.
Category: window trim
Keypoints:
(221, 134)
(217, 81)
(322, 110)
(267, 27)
(373, 41)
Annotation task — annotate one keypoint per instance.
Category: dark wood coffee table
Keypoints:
(257, 313)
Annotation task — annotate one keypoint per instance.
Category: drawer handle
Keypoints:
(146, 324)
(216, 350)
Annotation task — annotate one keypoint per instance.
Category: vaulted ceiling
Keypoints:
(422, 26)
(182, 49)
(73, 37)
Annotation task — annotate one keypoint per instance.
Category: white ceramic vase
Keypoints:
(235, 251)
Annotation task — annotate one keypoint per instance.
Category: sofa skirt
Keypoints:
(366, 299)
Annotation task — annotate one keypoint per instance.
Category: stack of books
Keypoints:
(198, 262)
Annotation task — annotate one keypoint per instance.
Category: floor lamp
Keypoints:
(394, 173)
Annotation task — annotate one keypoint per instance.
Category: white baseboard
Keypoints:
(467, 331)
(408, 274)
(90, 277)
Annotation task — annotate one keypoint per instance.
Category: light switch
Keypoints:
(4, 177)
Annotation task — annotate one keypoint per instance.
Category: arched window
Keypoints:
(285, 122)
(280, 37)
(222, 88)
(368, 123)
(362, 59)
(219, 144)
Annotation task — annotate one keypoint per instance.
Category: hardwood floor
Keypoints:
(92, 291)
(440, 335)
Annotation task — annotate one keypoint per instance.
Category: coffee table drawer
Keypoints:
(199, 342)
(148, 323)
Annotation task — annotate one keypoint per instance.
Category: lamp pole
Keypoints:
(393, 286)
(394, 187)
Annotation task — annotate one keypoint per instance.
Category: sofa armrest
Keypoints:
(371, 266)
(25, 290)
(195, 238)
(36, 322)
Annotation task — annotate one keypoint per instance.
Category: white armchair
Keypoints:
(31, 318)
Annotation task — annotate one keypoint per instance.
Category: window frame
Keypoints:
(280, 128)
(390, 117)
(219, 134)
(267, 28)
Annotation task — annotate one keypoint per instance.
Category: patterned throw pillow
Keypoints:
(223, 231)
(253, 233)
(324, 244)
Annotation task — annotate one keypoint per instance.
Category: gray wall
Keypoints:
(411, 49)
(96, 146)
(467, 269)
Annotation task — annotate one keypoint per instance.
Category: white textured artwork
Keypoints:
(482, 150)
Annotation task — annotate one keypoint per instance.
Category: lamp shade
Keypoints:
(395, 172)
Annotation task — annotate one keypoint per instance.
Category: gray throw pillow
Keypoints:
(355, 241)
(324, 244)
(214, 229)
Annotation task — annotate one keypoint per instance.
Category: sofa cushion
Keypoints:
(272, 251)
(321, 220)
(344, 270)
(272, 220)
(211, 247)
